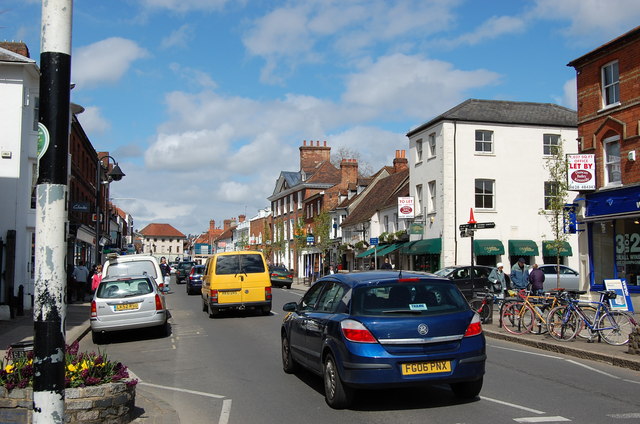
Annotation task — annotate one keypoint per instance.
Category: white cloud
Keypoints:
(179, 37)
(492, 28)
(105, 61)
(570, 98)
(185, 5)
(92, 120)
(412, 85)
(193, 76)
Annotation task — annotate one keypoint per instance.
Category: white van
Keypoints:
(126, 265)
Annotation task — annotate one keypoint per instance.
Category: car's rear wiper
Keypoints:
(402, 311)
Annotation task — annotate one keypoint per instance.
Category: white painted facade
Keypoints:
(517, 166)
(19, 91)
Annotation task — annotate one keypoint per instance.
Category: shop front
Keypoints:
(612, 219)
(424, 255)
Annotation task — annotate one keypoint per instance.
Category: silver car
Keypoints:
(125, 303)
(569, 278)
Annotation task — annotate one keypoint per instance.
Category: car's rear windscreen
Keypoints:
(422, 297)
(124, 288)
(121, 269)
(239, 264)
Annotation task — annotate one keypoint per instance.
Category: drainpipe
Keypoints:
(455, 188)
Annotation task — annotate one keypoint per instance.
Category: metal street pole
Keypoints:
(50, 307)
(96, 258)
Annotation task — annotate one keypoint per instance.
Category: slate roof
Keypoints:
(161, 230)
(382, 194)
(506, 112)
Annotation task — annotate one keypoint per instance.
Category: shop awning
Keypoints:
(548, 249)
(488, 247)
(365, 253)
(423, 247)
(523, 248)
(388, 249)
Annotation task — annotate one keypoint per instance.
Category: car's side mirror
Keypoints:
(290, 307)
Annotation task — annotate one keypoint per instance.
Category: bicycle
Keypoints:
(526, 313)
(614, 327)
(483, 305)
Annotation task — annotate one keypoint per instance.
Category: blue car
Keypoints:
(383, 330)
(194, 279)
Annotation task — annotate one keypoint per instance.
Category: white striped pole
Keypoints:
(50, 307)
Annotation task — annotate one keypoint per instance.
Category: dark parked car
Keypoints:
(194, 279)
(461, 275)
(382, 329)
(182, 270)
(280, 276)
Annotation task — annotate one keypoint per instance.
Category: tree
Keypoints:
(364, 169)
(556, 190)
(322, 232)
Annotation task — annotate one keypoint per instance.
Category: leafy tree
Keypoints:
(556, 192)
(322, 232)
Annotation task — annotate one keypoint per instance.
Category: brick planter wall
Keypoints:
(634, 341)
(107, 403)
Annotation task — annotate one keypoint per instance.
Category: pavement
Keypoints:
(150, 409)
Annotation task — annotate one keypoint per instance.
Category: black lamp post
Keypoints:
(115, 174)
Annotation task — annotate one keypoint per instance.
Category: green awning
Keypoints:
(548, 249)
(523, 248)
(488, 247)
(388, 249)
(423, 247)
(365, 253)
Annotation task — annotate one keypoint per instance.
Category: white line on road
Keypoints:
(541, 419)
(593, 369)
(629, 416)
(513, 405)
(177, 389)
(524, 351)
(226, 412)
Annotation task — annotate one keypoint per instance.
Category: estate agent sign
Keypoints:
(582, 172)
(406, 208)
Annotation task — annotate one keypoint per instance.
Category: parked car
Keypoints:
(382, 329)
(194, 279)
(280, 276)
(182, 271)
(461, 276)
(125, 303)
(569, 278)
(236, 280)
(128, 265)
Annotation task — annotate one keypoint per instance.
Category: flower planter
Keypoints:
(103, 403)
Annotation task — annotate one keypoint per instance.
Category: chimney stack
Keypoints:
(311, 156)
(400, 163)
(348, 172)
(241, 218)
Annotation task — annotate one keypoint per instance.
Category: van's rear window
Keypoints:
(239, 264)
(123, 269)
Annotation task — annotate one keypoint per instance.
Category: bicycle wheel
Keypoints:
(540, 325)
(517, 318)
(563, 324)
(482, 308)
(585, 332)
(615, 328)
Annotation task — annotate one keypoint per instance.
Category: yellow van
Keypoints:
(236, 280)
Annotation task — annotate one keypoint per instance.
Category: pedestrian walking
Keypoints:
(166, 273)
(536, 279)
(386, 264)
(499, 280)
(519, 275)
(81, 280)
(96, 279)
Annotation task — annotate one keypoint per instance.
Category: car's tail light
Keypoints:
(94, 309)
(192, 271)
(355, 331)
(290, 276)
(267, 293)
(274, 274)
(159, 305)
(475, 327)
(213, 296)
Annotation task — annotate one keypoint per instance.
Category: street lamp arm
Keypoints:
(115, 174)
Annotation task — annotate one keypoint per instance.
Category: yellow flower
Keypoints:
(72, 368)
(9, 368)
(84, 365)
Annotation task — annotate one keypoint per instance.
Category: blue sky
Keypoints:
(204, 102)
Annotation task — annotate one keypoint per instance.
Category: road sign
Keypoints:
(373, 241)
(477, 226)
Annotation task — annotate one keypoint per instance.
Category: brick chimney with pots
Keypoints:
(312, 155)
(16, 46)
(241, 218)
(348, 172)
(400, 163)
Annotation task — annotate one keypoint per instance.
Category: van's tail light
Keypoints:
(267, 293)
(475, 327)
(213, 296)
(355, 331)
(159, 306)
(94, 309)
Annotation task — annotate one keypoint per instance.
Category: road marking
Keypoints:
(541, 419)
(513, 405)
(629, 416)
(593, 369)
(177, 389)
(226, 412)
(631, 381)
(524, 351)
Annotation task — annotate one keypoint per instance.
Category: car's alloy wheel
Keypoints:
(336, 394)
(289, 365)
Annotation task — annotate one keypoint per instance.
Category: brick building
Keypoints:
(608, 85)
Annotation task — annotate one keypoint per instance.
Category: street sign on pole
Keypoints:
(477, 226)
(374, 241)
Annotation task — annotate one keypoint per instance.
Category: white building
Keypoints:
(488, 156)
(19, 91)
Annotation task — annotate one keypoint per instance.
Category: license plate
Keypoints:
(126, 307)
(413, 368)
(229, 292)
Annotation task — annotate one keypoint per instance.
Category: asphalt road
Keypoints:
(228, 370)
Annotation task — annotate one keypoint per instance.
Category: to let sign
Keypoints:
(581, 174)
(406, 208)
